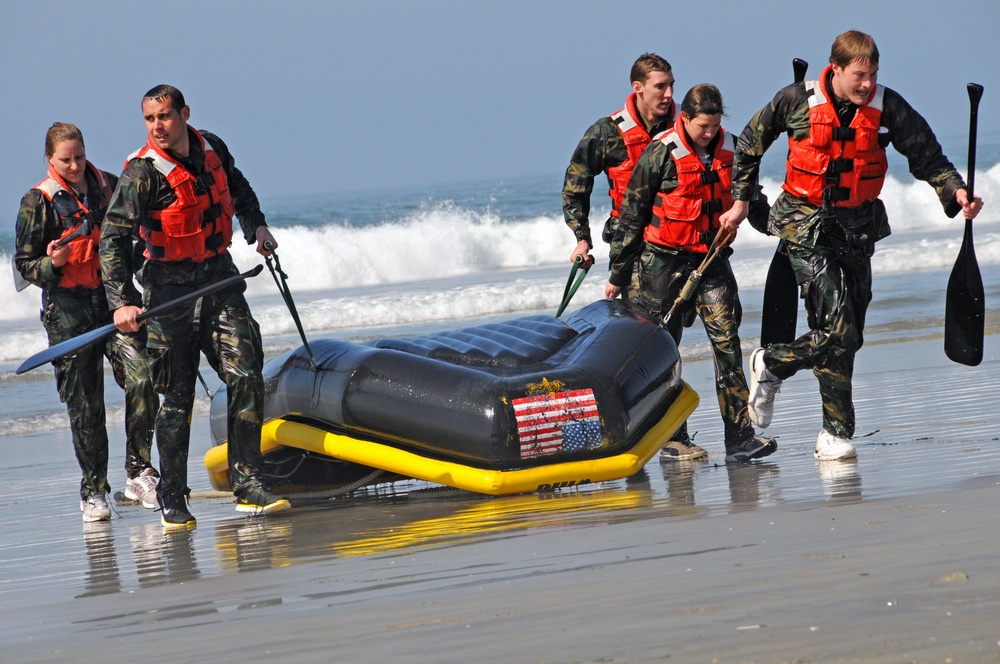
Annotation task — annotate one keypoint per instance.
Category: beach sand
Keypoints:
(888, 559)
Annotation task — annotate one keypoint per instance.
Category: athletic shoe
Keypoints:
(256, 498)
(763, 387)
(95, 508)
(143, 488)
(676, 450)
(833, 448)
(174, 512)
(750, 448)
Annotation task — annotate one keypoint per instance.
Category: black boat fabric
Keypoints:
(449, 395)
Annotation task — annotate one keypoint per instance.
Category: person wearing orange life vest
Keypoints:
(830, 217)
(68, 206)
(612, 145)
(670, 218)
(179, 192)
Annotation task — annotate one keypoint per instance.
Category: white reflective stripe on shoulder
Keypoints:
(102, 179)
(817, 97)
(728, 142)
(49, 187)
(878, 98)
(673, 143)
(160, 163)
(624, 121)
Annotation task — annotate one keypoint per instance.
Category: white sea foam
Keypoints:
(442, 261)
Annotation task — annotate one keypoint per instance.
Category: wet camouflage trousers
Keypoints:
(661, 275)
(80, 381)
(836, 285)
(221, 327)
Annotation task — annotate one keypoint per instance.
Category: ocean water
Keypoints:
(367, 264)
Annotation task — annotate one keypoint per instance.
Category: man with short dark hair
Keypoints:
(179, 193)
(613, 144)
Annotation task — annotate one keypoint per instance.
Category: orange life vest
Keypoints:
(680, 217)
(199, 223)
(841, 166)
(82, 268)
(636, 139)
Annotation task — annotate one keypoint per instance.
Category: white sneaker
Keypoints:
(143, 488)
(95, 508)
(763, 387)
(833, 448)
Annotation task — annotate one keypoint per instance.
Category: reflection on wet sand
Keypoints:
(679, 476)
(102, 576)
(841, 479)
(752, 485)
(159, 557)
(309, 533)
(372, 521)
(163, 556)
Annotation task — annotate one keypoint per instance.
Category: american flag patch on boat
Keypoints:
(557, 422)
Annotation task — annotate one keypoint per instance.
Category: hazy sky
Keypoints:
(326, 96)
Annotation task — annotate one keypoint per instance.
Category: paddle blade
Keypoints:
(65, 348)
(965, 306)
(781, 302)
(799, 68)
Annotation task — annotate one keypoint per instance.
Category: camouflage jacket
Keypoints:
(797, 221)
(142, 188)
(655, 172)
(38, 225)
(601, 148)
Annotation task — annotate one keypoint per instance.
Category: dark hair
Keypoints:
(161, 92)
(646, 63)
(852, 46)
(59, 132)
(703, 99)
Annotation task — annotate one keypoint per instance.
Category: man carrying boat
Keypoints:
(179, 193)
(830, 217)
(613, 144)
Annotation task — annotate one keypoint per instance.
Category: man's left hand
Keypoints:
(265, 241)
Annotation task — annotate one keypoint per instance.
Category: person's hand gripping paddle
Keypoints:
(965, 302)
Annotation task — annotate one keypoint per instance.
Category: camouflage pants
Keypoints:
(221, 327)
(836, 284)
(661, 275)
(80, 381)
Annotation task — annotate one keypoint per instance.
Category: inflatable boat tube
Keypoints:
(533, 404)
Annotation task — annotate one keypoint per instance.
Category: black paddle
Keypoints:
(965, 302)
(781, 294)
(87, 338)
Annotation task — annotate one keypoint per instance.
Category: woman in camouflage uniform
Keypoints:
(57, 234)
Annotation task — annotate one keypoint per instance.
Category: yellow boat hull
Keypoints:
(280, 432)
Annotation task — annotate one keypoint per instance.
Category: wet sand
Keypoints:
(890, 558)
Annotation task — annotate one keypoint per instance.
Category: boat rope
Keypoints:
(341, 490)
